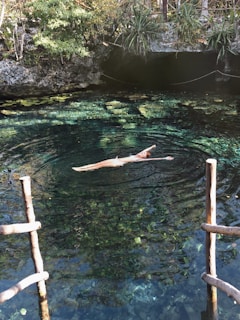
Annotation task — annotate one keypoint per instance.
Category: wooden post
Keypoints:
(36, 254)
(211, 182)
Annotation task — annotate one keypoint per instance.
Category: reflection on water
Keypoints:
(120, 243)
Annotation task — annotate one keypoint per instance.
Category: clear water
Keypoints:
(120, 243)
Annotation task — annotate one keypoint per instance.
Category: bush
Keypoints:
(62, 26)
(137, 31)
(187, 24)
(220, 39)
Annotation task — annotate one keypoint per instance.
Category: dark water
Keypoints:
(120, 243)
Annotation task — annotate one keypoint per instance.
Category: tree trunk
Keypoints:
(204, 12)
(165, 9)
(2, 12)
(163, 6)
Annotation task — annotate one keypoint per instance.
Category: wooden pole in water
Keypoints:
(36, 254)
(211, 182)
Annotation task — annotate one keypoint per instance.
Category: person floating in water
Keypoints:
(144, 155)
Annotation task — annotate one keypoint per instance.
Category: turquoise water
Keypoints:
(120, 243)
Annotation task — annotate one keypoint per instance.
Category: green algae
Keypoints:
(30, 102)
(153, 110)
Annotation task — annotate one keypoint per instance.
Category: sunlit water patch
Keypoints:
(120, 242)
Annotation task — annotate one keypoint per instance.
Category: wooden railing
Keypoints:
(40, 275)
(211, 228)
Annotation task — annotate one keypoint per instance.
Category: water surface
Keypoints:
(120, 243)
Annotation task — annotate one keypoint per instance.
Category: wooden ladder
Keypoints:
(40, 275)
(211, 228)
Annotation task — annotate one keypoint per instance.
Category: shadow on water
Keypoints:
(125, 242)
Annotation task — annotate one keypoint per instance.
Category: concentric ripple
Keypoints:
(116, 240)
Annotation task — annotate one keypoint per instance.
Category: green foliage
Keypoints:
(6, 35)
(187, 23)
(221, 38)
(105, 13)
(74, 27)
(12, 28)
(138, 31)
(66, 27)
(70, 27)
(62, 26)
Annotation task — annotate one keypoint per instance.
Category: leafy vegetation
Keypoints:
(188, 24)
(221, 38)
(69, 27)
(105, 16)
(75, 27)
(65, 27)
(62, 26)
(138, 31)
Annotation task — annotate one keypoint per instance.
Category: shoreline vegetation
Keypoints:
(66, 28)
(61, 45)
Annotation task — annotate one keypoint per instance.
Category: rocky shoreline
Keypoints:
(18, 80)
(44, 76)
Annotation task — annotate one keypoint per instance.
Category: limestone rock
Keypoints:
(45, 78)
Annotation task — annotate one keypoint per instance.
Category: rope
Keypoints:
(206, 75)
(183, 82)
(118, 80)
